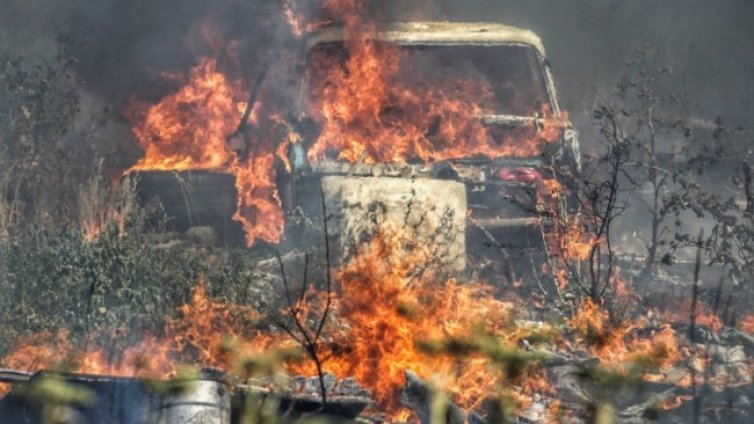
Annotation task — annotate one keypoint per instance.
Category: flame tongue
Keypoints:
(379, 103)
(368, 114)
(189, 130)
(384, 311)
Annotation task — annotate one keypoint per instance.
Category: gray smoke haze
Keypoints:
(126, 45)
(705, 42)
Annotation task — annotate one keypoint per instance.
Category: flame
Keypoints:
(189, 130)
(372, 109)
(93, 228)
(294, 20)
(674, 402)
(747, 324)
(383, 309)
(56, 351)
(385, 312)
(704, 315)
(152, 358)
(297, 22)
(195, 337)
(377, 108)
(614, 345)
(568, 241)
(593, 327)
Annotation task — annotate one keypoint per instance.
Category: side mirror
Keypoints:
(571, 148)
(298, 159)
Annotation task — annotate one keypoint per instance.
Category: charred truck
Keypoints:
(448, 132)
(472, 183)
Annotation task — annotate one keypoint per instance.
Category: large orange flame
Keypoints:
(189, 129)
(382, 308)
(375, 107)
(384, 312)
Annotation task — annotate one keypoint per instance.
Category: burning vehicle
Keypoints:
(429, 123)
(462, 116)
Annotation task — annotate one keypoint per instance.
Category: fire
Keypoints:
(703, 315)
(747, 324)
(189, 130)
(152, 358)
(376, 107)
(381, 308)
(675, 402)
(195, 337)
(47, 351)
(568, 240)
(372, 108)
(294, 20)
(385, 312)
(382, 311)
(298, 24)
(614, 345)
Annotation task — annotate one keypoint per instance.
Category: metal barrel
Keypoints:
(196, 401)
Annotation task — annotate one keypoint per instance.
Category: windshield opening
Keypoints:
(380, 102)
(510, 74)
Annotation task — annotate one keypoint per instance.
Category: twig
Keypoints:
(327, 270)
(692, 327)
(306, 337)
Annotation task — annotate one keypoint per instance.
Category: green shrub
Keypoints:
(53, 280)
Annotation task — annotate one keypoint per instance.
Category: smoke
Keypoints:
(126, 45)
(588, 42)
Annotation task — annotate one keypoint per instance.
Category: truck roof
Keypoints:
(442, 33)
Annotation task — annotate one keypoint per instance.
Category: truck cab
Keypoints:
(469, 105)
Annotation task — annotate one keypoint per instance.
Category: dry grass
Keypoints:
(9, 209)
(103, 205)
